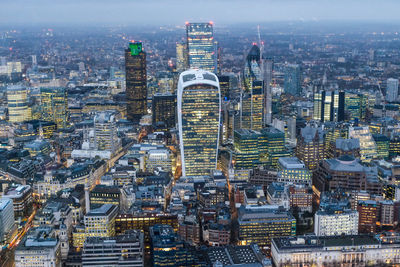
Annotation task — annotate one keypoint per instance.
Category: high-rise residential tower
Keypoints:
(292, 83)
(17, 103)
(392, 91)
(136, 81)
(201, 46)
(199, 105)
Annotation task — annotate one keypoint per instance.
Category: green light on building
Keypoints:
(135, 48)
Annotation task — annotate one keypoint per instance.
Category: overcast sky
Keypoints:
(167, 12)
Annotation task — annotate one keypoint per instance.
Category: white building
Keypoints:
(293, 170)
(158, 158)
(392, 90)
(359, 250)
(6, 218)
(40, 247)
(331, 223)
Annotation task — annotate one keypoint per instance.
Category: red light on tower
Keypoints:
(187, 23)
(211, 22)
(10, 48)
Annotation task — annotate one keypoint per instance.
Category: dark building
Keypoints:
(224, 85)
(329, 106)
(292, 82)
(164, 110)
(103, 194)
(167, 248)
(136, 81)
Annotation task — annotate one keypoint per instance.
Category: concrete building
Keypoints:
(310, 146)
(122, 250)
(101, 222)
(7, 222)
(355, 250)
(293, 170)
(330, 223)
(21, 196)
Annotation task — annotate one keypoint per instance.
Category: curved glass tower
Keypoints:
(199, 105)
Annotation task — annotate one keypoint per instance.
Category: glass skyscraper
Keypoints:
(201, 46)
(17, 103)
(199, 105)
(292, 82)
(54, 105)
(136, 81)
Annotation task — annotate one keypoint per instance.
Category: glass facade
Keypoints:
(17, 103)
(199, 106)
(54, 105)
(292, 82)
(201, 46)
(136, 84)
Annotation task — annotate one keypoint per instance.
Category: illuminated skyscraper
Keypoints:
(329, 106)
(252, 97)
(17, 103)
(199, 105)
(201, 46)
(181, 57)
(54, 105)
(368, 149)
(164, 110)
(268, 70)
(136, 81)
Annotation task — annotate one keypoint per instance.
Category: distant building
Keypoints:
(182, 63)
(292, 82)
(201, 46)
(136, 81)
(392, 90)
(199, 106)
(122, 250)
(310, 146)
(368, 149)
(54, 105)
(105, 132)
(329, 106)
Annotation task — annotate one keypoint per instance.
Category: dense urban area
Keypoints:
(200, 145)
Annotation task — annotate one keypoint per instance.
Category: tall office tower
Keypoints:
(268, 70)
(272, 146)
(17, 103)
(54, 105)
(329, 106)
(252, 98)
(199, 105)
(355, 106)
(292, 82)
(181, 57)
(392, 91)
(105, 125)
(246, 154)
(368, 149)
(201, 46)
(224, 85)
(136, 81)
(310, 146)
(164, 110)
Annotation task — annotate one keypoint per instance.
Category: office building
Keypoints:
(335, 223)
(345, 173)
(252, 97)
(164, 111)
(189, 229)
(122, 250)
(272, 146)
(101, 221)
(356, 105)
(293, 170)
(136, 81)
(201, 46)
(259, 224)
(292, 80)
(21, 196)
(355, 250)
(17, 104)
(392, 90)
(246, 154)
(105, 124)
(329, 106)
(199, 106)
(225, 85)
(310, 146)
(6, 219)
(40, 247)
(368, 149)
(368, 211)
(167, 248)
(182, 63)
(341, 147)
(268, 71)
(104, 194)
(250, 255)
(394, 146)
(382, 145)
(54, 105)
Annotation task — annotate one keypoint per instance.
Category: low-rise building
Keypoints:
(331, 223)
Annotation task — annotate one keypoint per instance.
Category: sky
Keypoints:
(170, 12)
